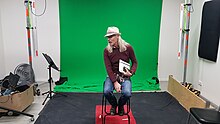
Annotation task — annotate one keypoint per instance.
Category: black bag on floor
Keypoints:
(10, 82)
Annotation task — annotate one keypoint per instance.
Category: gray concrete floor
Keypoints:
(37, 106)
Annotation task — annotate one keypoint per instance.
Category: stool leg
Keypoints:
(104, 119)
(128, 119)
(102, 108)
(102, 103)
(128, 110)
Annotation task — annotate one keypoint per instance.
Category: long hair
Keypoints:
(121, 43)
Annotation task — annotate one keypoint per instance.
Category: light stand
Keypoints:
(50, 80)
(186, 9)
(186, 30)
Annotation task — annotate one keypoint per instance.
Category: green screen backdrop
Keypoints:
(83, 24)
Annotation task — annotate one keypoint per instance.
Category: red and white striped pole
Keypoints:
(34, 30)
(27, 4)
(186, 30)
(181, 33)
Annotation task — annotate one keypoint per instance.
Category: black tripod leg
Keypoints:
(45, 93)
(45, 99)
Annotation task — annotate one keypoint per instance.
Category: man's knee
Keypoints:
(127, 94)
(107, 92)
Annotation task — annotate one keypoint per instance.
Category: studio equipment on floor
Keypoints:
(61, 80)
(18, 97)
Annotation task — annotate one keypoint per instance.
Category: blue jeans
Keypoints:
(125, 92)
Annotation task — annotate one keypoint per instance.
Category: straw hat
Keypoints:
(112, 31)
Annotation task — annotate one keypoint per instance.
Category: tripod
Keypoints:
(50, 80)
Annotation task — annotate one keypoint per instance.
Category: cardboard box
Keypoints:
(17, 101)
(185, 97)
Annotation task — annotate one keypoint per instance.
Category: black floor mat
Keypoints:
(79, 108)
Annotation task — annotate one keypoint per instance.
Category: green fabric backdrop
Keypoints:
(83, 24)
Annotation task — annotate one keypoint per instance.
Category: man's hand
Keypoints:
(117, 86)
(127, 73)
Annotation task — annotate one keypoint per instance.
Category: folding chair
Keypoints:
(205, 115)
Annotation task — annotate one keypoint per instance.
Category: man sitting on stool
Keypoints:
(117, 49)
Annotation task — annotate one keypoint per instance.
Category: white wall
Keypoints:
(2, 59)
(202, 73)
(14, 36)
(205, 74)
(49, 38)
(169, 64)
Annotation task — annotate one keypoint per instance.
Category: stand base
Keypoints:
(49, 95)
